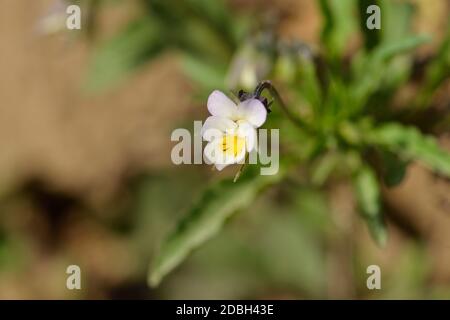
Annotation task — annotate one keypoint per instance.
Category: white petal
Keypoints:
(246, 130)
(216, 127)
(220, 166)
(210, 151)
(214, 154)
(253, 111)
(251, 141)
(222, 157)
(221, 106)
(240, 157)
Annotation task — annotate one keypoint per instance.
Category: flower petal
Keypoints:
(253, 111)
(214, 154)
(215, 127)
(221, 106)
(241, 156)
(245, 129)
(209, 151)
(220, 166)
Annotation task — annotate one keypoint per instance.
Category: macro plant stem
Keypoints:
(267, 85)
(241, 169)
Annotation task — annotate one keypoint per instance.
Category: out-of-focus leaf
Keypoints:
(339, 23)
(291, 252)
(206, 218)
(371, 71)
(368, 196)
(394, 169)
(337, 104)
(219, 17)
(207, 75)
(396, 18)
(196, 27)
(378, 230)
(367, 191)
(312, 208)
(141, 41)
(389, 50)
(410, 144)
(371, 37)
(324, 168)
(198, 38)
(437, 72)
(309, 84)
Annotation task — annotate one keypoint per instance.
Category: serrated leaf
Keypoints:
(207, 217)
(410, 144)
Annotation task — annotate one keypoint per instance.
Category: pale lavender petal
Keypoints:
(246, 130)
(253, 111)
(221, 106)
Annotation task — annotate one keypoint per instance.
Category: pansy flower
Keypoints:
(231, 129)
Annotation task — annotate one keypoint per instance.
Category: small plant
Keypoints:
(338, 119)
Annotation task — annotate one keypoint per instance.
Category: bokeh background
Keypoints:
(86, 176)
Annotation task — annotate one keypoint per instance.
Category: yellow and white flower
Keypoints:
(231, 129)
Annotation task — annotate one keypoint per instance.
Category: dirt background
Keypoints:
(87, 145)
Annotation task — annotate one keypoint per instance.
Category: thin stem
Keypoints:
(241, 169)
(267, 85)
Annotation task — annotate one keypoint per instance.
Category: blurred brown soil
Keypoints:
(81, 143)
(85, 145)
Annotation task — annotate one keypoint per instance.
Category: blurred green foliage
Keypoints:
(345, 98)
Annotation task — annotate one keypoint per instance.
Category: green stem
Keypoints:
(267, 85)
(241, 169)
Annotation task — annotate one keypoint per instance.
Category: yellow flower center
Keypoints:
(232, 145)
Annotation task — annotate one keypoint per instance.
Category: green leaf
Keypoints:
(207, 217)
(394, 169)
(324, 168)
(339, 23)
(437, 72)
(138, 43)
(378, 230)
(396, 18)
(367, 192)
(209, 76)
(309, 84)
(219, 18)
(391, 49)
(371, 37)
(199, 39)
(410, 144)
(370, 73)
(368, 196)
